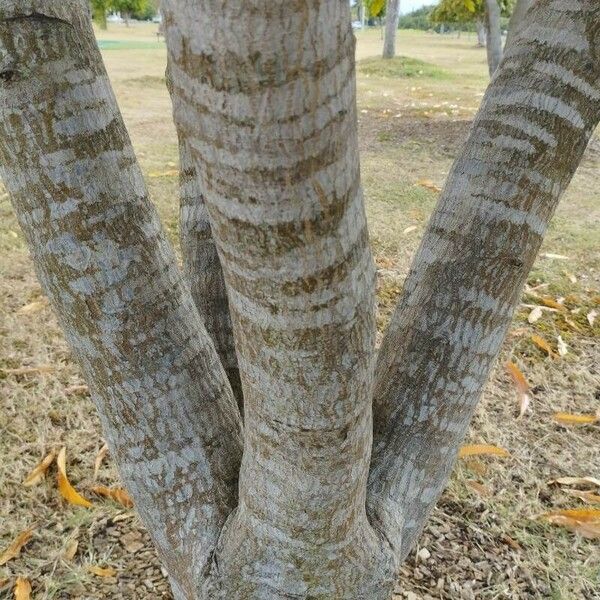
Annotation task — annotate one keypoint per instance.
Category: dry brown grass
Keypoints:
(481, 546)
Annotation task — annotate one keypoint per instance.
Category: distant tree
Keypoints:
(375, 8)
(493, 35)
(392, 14)
(99, 10)
(128, 7)
(518, 19)
(417, 19)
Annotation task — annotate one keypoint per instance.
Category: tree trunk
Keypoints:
(493, 35)
(481, 33)
(518, 19)
(392, 15)
(527, 140)
(100, 18)
(103, 260)
(270, 168)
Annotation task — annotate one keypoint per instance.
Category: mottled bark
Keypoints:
(271, 124)
(518, 19)
(104, 262)
(392, 15)
(493, 35)
(202, 268)
(466, 280)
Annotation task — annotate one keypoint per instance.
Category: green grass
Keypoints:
(400, 67)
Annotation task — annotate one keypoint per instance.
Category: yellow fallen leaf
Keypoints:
(30, 370)
(22, 589)
(554, 256)
(585, 521)
(40, 470)
(542, 344)
(66, 490)
(572, 324)
(478, 449)
(429, 185)
(117, 494)
(575, 481)
(15, 547)
(409, 229)
(478, 487)
(102, 572)
(551, 303)
(99, 459)
(570, 419)
(521, 386)
(585, 495)
(33, 307)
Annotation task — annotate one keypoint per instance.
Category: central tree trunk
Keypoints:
(271, 128)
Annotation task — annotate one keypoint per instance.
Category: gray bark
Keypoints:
(101, 256)
(270, 182)
(392, 15)
(466, 280)
(493, 35)
(481, 33)
(518, 19)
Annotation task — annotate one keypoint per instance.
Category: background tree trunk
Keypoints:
(392, 15)
(518, 19)
(481, 33)
(104, 262)
(457, 304)
(493, 35)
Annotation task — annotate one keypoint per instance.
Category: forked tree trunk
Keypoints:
(265, 106)
(493, 35)
(392, 15)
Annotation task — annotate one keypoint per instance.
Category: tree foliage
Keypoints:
(466, 11)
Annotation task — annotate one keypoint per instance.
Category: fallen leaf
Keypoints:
(591, 317)
(33, 307)
(535, 315)
(30, 370)
(585, 521)
(76, 390)
(562, 347)
(512, 543)
(117, 494)
(521, 386)
(575, 481)
(71, 550)
(478, 487)
(40, 470)
(572, 324)
(570, 276)
(554, 256)
(15, 547)
(551, 303)
(542, 344)
(476, 466)
(132, 541)
(102, 572)
(99, 459)
(427, 184)
(409, 229)
(22, 589)
(478, 449)
(67, 491)
(570, 419)
(585, 495)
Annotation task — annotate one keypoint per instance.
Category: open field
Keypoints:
(483, 541)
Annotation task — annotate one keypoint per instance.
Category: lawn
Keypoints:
(485, 539)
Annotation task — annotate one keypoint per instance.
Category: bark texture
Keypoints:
(518, 19)
(392, 15)
(481, 34)
(267, 97)
(493, 35)
(102, 259)
(525, 145)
